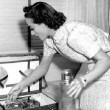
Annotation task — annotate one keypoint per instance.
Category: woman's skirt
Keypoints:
(97, 95)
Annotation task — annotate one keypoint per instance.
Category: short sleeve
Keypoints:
(84, 42)
(48, 48)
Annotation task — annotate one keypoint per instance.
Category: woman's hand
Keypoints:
(14, 92)
(75, 88)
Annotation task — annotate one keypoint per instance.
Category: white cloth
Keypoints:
(97, 95)
(77, 41)
(80, 42)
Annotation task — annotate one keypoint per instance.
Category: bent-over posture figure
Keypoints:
(78, 42)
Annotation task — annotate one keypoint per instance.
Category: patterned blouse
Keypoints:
(77, 41)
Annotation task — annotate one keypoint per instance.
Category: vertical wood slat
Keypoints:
(29, 32)
(91, 12)
(103, 14)
(76, 10)
(109, 14)
(95, 12)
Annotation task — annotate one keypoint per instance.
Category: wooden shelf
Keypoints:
(20, 57)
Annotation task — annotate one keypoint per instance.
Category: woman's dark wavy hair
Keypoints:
(42, 12)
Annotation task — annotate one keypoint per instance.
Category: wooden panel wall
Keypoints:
(95, 12)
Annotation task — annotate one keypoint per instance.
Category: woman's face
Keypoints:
(40, 30)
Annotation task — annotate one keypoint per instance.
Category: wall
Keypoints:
(95, 12)
(13, 28)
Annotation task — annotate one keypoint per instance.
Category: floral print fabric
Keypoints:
(77, 41)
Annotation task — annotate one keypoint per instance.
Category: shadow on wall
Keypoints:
(33, 43)
(24, 31)
(64, 63)
(58, 64)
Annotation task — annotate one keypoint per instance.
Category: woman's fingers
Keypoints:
(14, 92)
(9, 96)
(77, 94)
(74, 89)
(14, 96)
(71, 84)
(73, 93)
(71, 89)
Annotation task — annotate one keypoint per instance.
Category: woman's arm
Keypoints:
(35, 75)
(39, 71)
(102, 65)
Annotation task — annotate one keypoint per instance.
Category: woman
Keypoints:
(77, 41)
